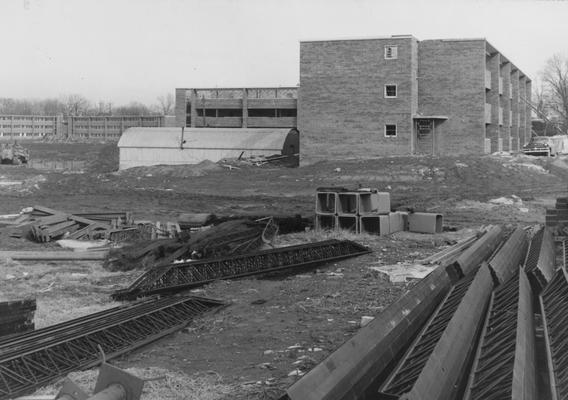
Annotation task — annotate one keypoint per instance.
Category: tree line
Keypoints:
(78, 105)
(550, 95)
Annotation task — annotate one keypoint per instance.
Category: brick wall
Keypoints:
(342, 110)
(451, 82)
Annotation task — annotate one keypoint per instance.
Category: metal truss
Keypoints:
(180, 276)
(534, 251)
(404, 376)
(38, 358)
(565, 253)
(492, 375)
(554, 303)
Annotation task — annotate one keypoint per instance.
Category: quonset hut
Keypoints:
(172, 146)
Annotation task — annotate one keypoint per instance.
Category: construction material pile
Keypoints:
(368, 211)
(13, 154)
(228, 238)
(43, 224)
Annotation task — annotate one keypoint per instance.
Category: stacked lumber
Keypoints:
(46, 224)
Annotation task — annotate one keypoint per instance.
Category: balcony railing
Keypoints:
(487, 113)
(487, 79)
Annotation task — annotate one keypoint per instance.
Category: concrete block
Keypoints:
(347, 203)
(425, 222)
(377, 202)
(325, 222)
(375, 224)
(326, 202)
(396, 222)
(348, 223)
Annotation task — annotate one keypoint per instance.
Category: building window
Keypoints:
(391, 52)
(390, 90)
(390, 130)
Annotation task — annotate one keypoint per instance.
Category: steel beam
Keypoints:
(553, 305)
(540, 262)
(181, 276)
(434, 367)
(504, 366)
(352, 370)
(505, 263)
(47, 354)
(478, 252)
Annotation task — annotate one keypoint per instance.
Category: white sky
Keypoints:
(137, 50)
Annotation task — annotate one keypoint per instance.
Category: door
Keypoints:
(424, 136)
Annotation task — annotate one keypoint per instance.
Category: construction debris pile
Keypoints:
(368, 211)
(227, 238)
(14, 154)
(468, 326)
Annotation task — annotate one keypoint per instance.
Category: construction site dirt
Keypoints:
(276, 327)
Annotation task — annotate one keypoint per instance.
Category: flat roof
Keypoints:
(346, 39)
(238, 87)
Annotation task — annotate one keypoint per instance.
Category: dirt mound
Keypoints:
(106, 160)
(176, 171)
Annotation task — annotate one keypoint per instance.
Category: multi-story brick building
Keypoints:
(399, 95)
(237, 107)
(383, 96)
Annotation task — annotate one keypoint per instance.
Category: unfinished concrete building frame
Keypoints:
(398, 95)
(237, 107)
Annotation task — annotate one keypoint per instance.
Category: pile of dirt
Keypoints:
(175, 171)
(106, 160)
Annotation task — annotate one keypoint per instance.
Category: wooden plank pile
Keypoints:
(46, 224)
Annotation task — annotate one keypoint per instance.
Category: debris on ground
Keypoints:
(14, 154)
(43, 224)
(227, 238)
(279, 160)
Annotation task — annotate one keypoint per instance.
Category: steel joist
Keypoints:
(472, 257)
(352, 370)
(540, 260)
(553, 304)
(180, 276)
(40, 357)
(505, 263)
(504, 365)
(453, 332)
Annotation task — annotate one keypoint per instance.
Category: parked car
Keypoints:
(540, 146)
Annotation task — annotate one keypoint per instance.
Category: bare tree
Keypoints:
(166, 104)
(75, 104)
(555, 88)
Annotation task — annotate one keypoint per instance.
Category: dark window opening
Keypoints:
(286, 112)
(390, 90)
(261, 112)
(390, 130)
(208, 112)
(188, 108)
(229, 112)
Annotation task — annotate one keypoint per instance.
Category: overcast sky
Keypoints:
(137, 50)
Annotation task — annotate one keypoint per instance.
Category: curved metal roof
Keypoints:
(205, 138)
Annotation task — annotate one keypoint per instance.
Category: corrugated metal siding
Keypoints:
(154, 146)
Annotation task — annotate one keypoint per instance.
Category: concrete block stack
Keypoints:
(558, 215)
(358, 211)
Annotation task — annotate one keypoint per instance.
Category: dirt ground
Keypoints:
(275, 328)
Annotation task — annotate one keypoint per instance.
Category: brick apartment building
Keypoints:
(383, 96)
(399, 95)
